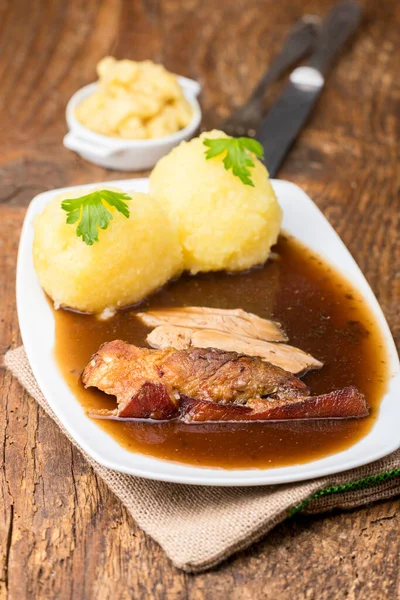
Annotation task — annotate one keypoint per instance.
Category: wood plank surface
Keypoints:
(62, 534)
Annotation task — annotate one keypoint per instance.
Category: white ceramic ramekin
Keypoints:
(121, 154)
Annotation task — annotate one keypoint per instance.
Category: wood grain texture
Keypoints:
(62, 534)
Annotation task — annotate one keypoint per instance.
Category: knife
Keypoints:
(298, 44)
(279, 129)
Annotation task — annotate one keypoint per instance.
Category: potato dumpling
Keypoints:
(221, 223)
(133, 257)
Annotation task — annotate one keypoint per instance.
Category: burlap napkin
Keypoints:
(198, 527)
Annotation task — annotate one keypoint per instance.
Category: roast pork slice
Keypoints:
(340, 404)
(232, 321)
(287, 357)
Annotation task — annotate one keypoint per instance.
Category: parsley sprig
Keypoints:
(237, 155)
(91, 212)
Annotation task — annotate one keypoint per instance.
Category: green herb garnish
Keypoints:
(237, 155)
(91, 212)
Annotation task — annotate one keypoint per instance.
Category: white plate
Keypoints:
(301, 219)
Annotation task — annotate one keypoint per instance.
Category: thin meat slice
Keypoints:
(287, 357)
(232, 321)
(340, 404)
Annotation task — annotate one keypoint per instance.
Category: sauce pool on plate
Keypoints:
(321, 314)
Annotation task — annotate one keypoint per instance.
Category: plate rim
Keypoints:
(203, 475)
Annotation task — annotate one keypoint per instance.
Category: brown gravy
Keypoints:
(321, 313)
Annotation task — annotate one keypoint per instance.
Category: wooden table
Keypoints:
(63, 535)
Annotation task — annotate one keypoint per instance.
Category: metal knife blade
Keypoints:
(280, 127)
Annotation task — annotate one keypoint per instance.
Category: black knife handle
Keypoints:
(340, 23)
(300, 41)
